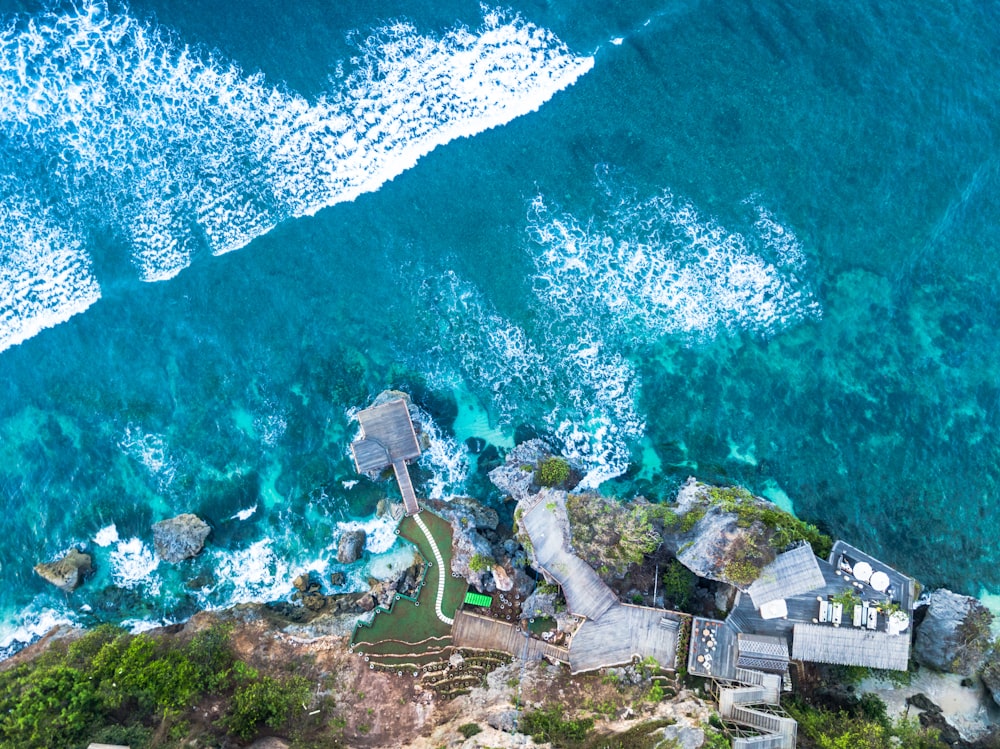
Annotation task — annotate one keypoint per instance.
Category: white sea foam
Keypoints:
(28, 627)
(107, 535)
(588, 395)
(152, 452)
(174, 148)
(244, 514)
(380, 533)
(658, 267)
(133, 565)
(45, 275)
(256, 573)
(447, 460)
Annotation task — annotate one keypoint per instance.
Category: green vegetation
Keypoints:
(468, 730)
(786, 528)
(411, 634)
(848, 599)
(481, 563)
(110, 686)
(679, 584)
(864, 726)
(550, 725)
(745, 561)
(552, 471)
(609, 535)
(691, 518)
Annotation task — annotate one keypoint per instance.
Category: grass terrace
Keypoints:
(410, 632)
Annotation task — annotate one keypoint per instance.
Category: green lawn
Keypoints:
(409, 631)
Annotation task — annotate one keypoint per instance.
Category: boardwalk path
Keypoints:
(483, 633)
(441, 570)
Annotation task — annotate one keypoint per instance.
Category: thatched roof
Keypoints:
(848, 646)
(793, 573)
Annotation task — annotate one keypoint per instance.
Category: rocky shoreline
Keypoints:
(954, 683)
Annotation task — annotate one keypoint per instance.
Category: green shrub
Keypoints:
(679, 584)
(468, 730)
(549, 725)
(264, 701)
(481, 563)
(552, 471)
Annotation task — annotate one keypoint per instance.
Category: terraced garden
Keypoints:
(410, 635)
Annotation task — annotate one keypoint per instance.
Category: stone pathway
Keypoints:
(441, 571)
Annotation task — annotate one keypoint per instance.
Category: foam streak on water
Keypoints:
(658, 267)
(176, 149)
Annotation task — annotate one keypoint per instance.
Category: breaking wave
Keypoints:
(173, 149)
(658, 267)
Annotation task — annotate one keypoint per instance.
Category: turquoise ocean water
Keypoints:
(750, 242)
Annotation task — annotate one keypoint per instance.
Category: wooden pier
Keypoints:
(483, 633)
(388, 439)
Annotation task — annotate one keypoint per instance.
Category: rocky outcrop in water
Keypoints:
(516, 477)
(67, 572)
(351, 546)
(954, 635)
(180, 538)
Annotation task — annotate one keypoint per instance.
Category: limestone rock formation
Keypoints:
(180, 538)
(954, 635)
(351, 546)
(516, 476)
(709, 540)
(67, 572)
(991, 675)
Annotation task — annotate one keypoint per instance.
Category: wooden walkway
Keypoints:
(406, 487)
(482, 633)
(586, 594)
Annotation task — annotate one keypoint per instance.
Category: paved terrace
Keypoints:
(484, 633)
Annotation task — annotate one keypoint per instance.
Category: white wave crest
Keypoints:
(107, 535)
(657, 267)
(173, 148)
(28, 627)
(133, 565)
(254, 574)
(45, 275)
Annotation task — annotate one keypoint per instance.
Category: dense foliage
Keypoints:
(866, 726)
(608, 535)
(110, 686)
(549, 724)
(786, 529)
(552, 472)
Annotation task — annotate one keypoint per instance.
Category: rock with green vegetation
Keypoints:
(954, 635)
(991, 675)
(180, 538)
(729, 535)
(67, 572)
(516, 477)
(610, 535)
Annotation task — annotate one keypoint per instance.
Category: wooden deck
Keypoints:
(586, 594)
(621, 633)
(387, 436)
(483, 633)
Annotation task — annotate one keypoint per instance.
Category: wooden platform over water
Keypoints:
(388, 439)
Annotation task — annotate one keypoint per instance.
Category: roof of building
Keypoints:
(387, 436)
(848, 646)
(762, 653)
(793, 573)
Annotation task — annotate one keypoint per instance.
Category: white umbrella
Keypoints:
(880, 581)
(863, 571)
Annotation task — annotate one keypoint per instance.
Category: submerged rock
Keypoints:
(67, 572)
(954, 636)
(351, 546)
(180, 538)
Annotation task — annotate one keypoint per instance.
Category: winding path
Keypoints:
(441, 571)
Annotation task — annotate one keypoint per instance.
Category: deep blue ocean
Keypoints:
(752, 242)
